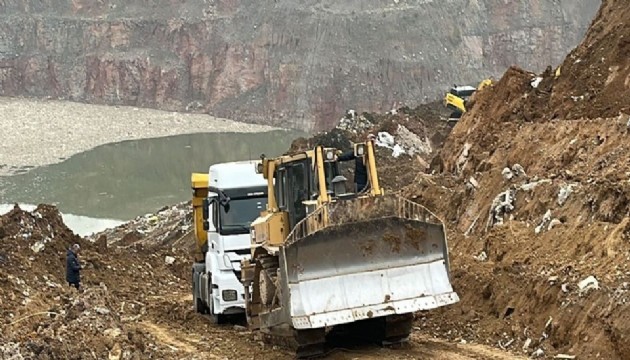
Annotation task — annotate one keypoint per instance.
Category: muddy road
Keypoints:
(231, 341)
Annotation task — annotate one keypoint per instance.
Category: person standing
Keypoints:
(73, 266)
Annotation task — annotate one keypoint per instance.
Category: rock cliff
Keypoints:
(282, 62)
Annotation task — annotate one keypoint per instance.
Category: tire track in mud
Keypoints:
(423, 347)
(166, 337)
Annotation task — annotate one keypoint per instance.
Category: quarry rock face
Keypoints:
(281, 62)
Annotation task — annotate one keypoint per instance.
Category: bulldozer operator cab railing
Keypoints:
(305, 181)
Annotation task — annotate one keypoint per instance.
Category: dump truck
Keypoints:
(225, 201)
(325, 259)
(457, 98)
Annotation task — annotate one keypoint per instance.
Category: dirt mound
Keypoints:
(166, 227)
(408, 139)
(48, 319)
(85, 326)
(538, 204)
(33, 244)
(42, 229)
(592, 82)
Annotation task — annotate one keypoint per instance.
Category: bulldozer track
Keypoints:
(305, 344)
(268, 280)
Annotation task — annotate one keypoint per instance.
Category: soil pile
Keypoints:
(168, 226)
(592, 82)
(407, 140)
(538, 205)
(135, 304)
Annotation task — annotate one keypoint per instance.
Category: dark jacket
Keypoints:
(360, 171)
(72, 268)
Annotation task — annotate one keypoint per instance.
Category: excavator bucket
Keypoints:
(376, 256)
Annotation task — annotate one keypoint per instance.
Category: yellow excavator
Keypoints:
(457, 98)
(323, 259)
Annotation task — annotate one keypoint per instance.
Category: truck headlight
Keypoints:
(330, 155)
(229, 295)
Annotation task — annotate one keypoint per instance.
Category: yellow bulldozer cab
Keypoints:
(303, 183)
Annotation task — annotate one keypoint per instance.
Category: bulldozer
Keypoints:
(324, 259)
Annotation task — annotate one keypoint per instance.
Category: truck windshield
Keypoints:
(239, 214)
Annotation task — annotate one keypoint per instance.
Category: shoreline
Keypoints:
(44, 132)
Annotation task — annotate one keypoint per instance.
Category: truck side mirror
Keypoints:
(206, 214)
(215, 215)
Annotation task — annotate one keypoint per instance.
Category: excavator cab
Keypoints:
(323, 257)
(457, 98)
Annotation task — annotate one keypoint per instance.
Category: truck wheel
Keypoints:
(200, 308)
(198, 305)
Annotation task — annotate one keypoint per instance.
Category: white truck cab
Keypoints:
(236, 196)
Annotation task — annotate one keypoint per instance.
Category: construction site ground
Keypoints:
(533, 184)
(136, 303)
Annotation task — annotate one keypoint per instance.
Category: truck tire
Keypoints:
(198, 305)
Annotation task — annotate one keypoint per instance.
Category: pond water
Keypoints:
(120, 181)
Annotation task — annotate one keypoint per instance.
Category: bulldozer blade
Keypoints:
(366, 269)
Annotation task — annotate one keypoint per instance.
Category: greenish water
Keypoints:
(131, 178)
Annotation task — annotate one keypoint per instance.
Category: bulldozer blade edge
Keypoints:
(367, 269)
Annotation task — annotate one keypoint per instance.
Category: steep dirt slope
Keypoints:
(136, 305)
(279, 62)
(538, 204)
(592, 82)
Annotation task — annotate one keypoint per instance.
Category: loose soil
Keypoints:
(541, 272)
